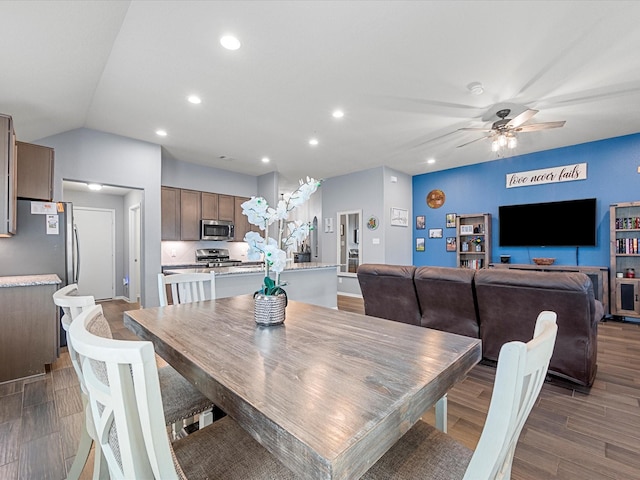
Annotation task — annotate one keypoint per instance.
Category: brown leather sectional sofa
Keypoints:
(494, 305)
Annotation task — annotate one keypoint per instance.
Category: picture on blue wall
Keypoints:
(420, 244)
(420, 222)
(451, 220)
(451, 244)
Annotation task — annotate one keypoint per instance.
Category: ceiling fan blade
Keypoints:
(475, 129)
(472, 141)
(520, 119)
(540, 126)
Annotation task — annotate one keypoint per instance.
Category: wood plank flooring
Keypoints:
(570, 434)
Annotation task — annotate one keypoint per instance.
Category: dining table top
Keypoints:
(328, 392)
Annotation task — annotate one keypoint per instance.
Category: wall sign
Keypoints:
(567, 173)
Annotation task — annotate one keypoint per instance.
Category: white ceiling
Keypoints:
(399, 70)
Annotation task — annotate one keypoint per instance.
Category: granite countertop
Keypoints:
(249, 268)
(29, 280)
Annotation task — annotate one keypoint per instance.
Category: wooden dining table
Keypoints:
(328, 392)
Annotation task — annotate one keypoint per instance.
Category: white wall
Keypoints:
(91, 156)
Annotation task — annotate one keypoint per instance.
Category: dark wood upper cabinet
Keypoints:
(35, 171)
(190, 214)
(226, 208)
(170, 212)
(209, 206)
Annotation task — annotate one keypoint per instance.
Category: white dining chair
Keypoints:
(126, 405)
(181, 399)
(426, 453)
(186, 287)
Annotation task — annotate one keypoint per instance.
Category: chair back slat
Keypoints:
(186, 287)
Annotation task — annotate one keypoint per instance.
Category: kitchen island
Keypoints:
(30, 328)
(310, 282)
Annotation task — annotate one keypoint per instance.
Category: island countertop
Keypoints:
(29, 280)
(245, 269)
(309, 282)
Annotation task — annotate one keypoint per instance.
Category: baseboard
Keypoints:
(354, 295)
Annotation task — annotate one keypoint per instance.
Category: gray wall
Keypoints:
(91, 156)
(178, 174)
(372, 192)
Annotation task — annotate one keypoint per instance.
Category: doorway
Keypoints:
(96, 247)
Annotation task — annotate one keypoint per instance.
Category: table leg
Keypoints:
(441, 414)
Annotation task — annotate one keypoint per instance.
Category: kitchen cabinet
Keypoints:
(209, 206)
(30, 327)
(226, 208)
(35, 171)
(473, 232)
(241, 223)
(8, 186)
(190, 214)
(624, 247)
(170, 213)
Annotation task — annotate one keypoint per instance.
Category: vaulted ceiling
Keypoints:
(400, 71)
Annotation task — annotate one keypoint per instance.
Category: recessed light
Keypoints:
(265, 160)
(337, 114)
(313, 142)
(194, 99)
(230, 42)
(94, 186)
(161, 133)
(431, 160)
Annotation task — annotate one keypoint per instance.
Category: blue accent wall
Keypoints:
(612, 177)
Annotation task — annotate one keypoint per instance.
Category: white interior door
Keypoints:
(134, 253)
(96, 242)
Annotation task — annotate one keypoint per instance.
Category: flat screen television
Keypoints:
(570, 223)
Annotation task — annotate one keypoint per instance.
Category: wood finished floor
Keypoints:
(571, 434)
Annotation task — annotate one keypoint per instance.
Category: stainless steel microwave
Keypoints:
(216, 230)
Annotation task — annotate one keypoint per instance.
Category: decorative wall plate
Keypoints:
(435, 198)
(372, 223)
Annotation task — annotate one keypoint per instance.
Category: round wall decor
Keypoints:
(435, 198)
(373, 222)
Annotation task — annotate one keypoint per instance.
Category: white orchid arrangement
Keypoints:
(290, 234)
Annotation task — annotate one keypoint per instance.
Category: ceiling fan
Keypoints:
(504, 131)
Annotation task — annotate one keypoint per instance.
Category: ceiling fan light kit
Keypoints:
(504, 132)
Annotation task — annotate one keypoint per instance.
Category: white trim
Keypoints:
(353, 295)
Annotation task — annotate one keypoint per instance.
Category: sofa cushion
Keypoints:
(447, 299)
(389, 292)
(509, 302)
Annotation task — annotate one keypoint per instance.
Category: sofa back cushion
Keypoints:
(447, 299)
(388, 292)
(509, 302)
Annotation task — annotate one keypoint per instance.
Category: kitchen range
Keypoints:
(215, 257)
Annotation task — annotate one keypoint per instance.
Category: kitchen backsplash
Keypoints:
(180, 253)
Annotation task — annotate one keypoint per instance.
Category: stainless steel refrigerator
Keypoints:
(33, 251)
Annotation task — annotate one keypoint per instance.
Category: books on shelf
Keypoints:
(473, 264)
(627, 246)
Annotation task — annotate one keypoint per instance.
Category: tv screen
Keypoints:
(570, 223)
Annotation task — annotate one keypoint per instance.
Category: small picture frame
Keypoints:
(420, 222)
(420, 244)
(466, 229)
(451, 244)
(451, 220)
(399, 217)
(435, 233)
